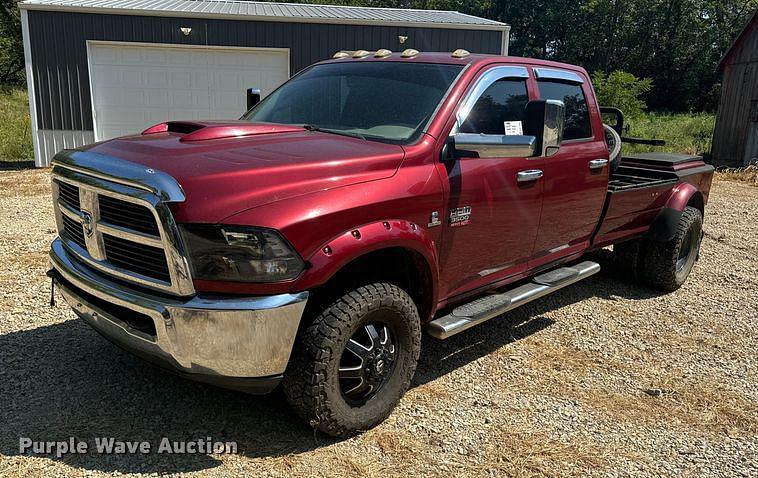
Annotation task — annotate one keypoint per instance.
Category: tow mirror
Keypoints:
(544, 120)
(253, 97)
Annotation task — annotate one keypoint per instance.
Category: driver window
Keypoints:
(503, 101)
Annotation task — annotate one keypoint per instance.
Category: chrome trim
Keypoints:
(528, 175)
(227, 336)
(496, 146)
(122, 172)
(552, 129)
(75, 169)
(124, 233)
(598, 163)
(489, 307)
(553, 74)
(491, 76)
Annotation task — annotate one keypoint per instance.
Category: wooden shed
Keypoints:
(735, 138)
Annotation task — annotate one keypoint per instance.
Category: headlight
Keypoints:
(240, 254)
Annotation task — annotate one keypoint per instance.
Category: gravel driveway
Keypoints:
(602, 379)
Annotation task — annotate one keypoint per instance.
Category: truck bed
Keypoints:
(628, 177)
(649, 169)
(639, 188)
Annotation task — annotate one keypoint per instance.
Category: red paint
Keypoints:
(336, 198)
(680, 195)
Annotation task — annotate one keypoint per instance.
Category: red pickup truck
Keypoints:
(369, 197)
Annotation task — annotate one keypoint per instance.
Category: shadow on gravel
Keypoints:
(64, 381)
(441, 357)
(16, 165)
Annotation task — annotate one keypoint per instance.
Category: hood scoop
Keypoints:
(208, 130)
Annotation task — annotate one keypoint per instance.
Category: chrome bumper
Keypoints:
(221, 340)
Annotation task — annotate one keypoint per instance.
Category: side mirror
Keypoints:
(544, 120)
(495, 145)
(253, 97)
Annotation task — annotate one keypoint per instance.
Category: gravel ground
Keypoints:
(601, 379)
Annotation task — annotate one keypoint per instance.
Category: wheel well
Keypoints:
(403, 267)
(697, 202)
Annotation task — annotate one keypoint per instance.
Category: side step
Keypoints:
(491, 306)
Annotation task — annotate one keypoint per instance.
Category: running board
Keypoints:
(491, 306)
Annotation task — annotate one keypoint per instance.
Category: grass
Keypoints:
(15, 125)
(748, 174)
(684, 133)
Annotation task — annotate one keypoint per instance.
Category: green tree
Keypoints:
(622, 90)
(11, 45)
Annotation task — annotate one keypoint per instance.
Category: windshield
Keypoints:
(389, 101)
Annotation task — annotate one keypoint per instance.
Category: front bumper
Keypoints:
(242, 343)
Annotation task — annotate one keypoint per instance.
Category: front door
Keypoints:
(575, 179)
(492, 218)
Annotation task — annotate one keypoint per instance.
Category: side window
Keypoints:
(577, 115)
(504, 100)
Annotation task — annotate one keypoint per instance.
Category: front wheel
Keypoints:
(354, 362)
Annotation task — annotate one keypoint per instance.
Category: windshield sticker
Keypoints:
(513, 128)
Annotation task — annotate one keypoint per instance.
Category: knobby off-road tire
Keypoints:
(627, 258)
(313, 384)
(666, 265)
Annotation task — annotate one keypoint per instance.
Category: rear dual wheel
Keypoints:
(354, 362)
(664, 265)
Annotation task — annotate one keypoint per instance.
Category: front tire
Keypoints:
(351, 366)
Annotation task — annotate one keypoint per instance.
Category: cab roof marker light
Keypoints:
(461, 53)
(361, 54)
(409, 53)
(383, 53)
(341, 54)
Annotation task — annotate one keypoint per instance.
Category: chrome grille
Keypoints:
(74, 231)
(69, 195)
(125, 214)
(146, 260)
(121, 230)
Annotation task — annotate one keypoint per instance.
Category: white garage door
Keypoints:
(135, 86)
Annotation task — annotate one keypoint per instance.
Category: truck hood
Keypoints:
(227, 167)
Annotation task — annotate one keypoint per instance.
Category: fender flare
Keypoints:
(663, 227)
(354, 243)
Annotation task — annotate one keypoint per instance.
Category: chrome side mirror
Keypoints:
(545, 120)
(495, 146)
(253, 97)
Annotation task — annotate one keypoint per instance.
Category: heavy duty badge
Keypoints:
(460, 216)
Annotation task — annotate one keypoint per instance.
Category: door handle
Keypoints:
(528, 175)
(598, 163)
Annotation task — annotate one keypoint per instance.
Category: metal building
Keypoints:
(97, 69)
(735, 138)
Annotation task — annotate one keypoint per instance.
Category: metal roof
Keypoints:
(270, 11)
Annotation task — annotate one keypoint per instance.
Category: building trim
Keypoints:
(50, 141)
(506, 40)
(261, 18)
(38, 160)
(90, 43)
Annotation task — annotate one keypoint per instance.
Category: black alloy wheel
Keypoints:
(367, 362)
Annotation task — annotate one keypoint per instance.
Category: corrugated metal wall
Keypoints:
(59, 52)
(738, 104)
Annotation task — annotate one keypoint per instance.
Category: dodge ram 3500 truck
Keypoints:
(371, 196)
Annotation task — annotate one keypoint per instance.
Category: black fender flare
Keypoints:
(664, 225)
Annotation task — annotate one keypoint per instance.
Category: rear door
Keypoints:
(491, 219)
(575, 180)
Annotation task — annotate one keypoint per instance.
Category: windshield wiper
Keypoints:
(310, 127)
